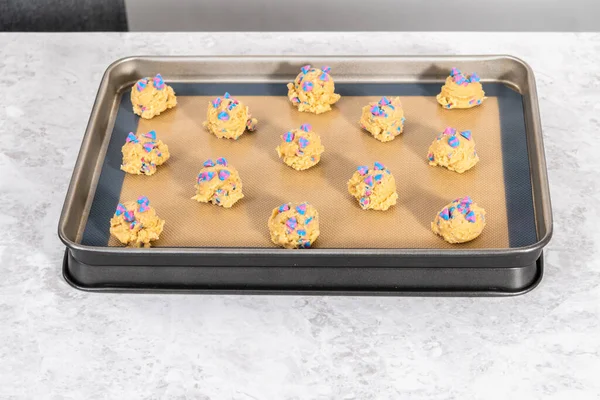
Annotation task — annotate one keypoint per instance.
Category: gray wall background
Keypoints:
(363, 15)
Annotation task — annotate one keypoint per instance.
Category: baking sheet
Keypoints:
(423, 190)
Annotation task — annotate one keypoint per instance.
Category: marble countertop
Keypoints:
(59, 343)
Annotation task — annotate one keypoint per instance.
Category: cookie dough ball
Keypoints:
(228, 118)
(294, 226)
(375, 189)
(453, 150)
(136, 224)
(460, 221)
(300, 148)
(151, 96)
(313, 90)
(461, 91)
(142, 153)
(383, 119)
(218, 183)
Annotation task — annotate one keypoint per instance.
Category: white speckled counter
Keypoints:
(59, 343)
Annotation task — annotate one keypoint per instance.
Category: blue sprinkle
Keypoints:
(301, 232)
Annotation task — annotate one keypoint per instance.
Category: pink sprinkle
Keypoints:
(369, 180)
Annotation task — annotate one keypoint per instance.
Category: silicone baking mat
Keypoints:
(500, 182)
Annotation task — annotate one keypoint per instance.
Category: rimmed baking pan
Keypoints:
(207, 248)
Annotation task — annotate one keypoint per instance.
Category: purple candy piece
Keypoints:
(466, 134)
(150, 135)
(222, 161)
(158, 82)
(369, 180)
(148, 147)
(445, 214)
(326, 69)
(209, 163)
(384, 101)
(378, 166)
(307, 86)
(291, 223)
(305, 69)
(129, 216)
(284, 207)
(223, 116)
(141, 84)
(303, 142)
(453, 141)
(288, 137)
(363, 170)
(305, 127)
(301, 209)
(131, 138)
(120, 210)
(223, 174)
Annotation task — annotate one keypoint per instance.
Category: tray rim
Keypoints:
(530, 95)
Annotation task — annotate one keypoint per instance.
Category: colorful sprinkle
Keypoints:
(378, 177)
(150, 135)
(378, 166)
(369, 180)
(291, 223)
(288, 137)
(384, 101)
(303, 142)
(368, 193)
(449, 131)
(141, 84)
(471, 217)
(227, 95)
(307, 86)
(305, 69)
(466, 134)
(143, 200)
(378, 111)
(216, 102)
(129, 216)
(454, 71)
(295, 100)
(206, 176)
(224, 174)
(308, 220)
(445, 214)
(305, 127)
(148, 147)
(306, 244)
(223, 116)
(363, 170)
(132, 225)
(301, 232)
(222, 161)
(159, 82)
(453, 141)
(131, 138)
(324, 77)
(120, 210)
(474, 78)
(364, 201)
(284, 207)
(209, 163)
(301, 209)
(326, 69)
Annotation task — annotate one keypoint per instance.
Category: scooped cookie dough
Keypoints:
(218, 183)
(461, 91)
(136, 224)
(375, 189)
(453, 150)
(383, 119)
(228, 118)
(142, 153)
(151, 96)
(313, 90)
(460, 221)
(294, 226)
(300, 148)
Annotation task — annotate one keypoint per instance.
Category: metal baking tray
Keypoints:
(506, 260)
